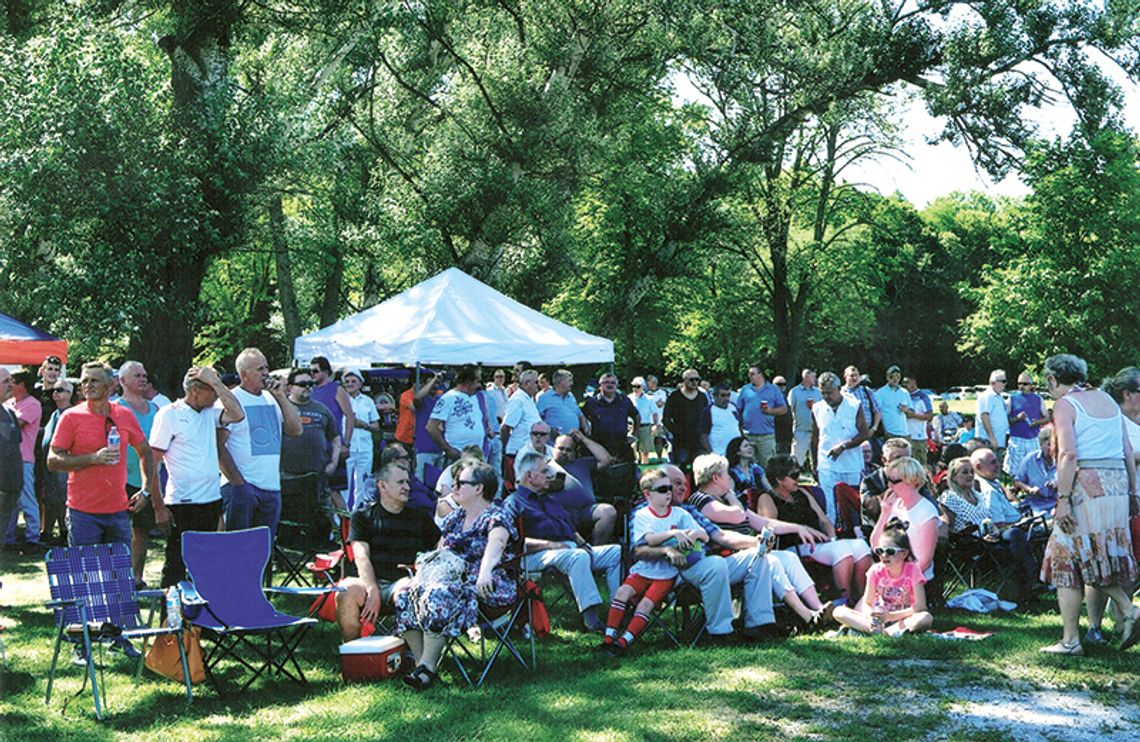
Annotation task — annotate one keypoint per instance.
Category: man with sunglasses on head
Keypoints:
(333, 396)
(1027, 414)
(97, 506)
(682, 417)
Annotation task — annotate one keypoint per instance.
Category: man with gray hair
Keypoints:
(249, 450)
(520, 417)
(553, 541)
(800, 401)
(558, 407)
(184, 435)
(993, 414)
(133, 380)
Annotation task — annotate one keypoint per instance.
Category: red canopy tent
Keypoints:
(23, 344)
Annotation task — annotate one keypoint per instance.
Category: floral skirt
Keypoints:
(449, 609)
(1099, 551)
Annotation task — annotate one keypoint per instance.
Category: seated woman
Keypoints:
(714, 498)
(895, 602)
(966, 513)
(480, 534)
(748, 478)
(904, 476)
(446, 485)
(849, 558)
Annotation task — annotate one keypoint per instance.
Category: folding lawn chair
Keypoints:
(496, 625)
(95, 602)
(225, 570)
(300, 531)
(972, 562)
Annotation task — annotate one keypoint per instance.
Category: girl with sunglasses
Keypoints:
(895, 601)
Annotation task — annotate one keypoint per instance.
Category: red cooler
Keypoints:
(371, 658)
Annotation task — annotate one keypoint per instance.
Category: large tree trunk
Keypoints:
(330, 302)
(165, 339)
(286, 294)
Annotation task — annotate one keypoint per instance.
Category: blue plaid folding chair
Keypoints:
(229, 605)
(95, 603)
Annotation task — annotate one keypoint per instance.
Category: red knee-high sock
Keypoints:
(613, 620)
(637, 624)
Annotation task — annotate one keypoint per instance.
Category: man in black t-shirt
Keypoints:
(384, 533)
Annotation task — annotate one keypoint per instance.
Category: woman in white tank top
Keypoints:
(1096, 481)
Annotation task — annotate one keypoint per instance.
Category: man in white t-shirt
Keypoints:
(249, 450)
(457, 419)
(522, 414)
(184, 434)
(366, 421)
(657, 395)
(992, 414)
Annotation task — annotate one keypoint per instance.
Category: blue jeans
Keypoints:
(98, 528)
(249, 506)
(31, 509)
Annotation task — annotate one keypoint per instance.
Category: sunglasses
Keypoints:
(661, 488)
(888, 550)
(305, 384)
(471, 482)
(539, 435)
(793, 475)
(693, 379)
(892, 480)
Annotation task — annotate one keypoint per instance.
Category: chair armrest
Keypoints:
(190, 594)
(151, 593)
(308, 591)
(61, 602)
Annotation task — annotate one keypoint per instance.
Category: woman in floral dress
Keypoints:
(479, 533)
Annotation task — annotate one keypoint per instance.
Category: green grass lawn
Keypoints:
(803, 688)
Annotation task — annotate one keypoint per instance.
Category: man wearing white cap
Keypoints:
(650, 416)
(366, 422)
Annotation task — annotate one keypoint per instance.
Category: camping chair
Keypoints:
(225, 570)
(301, 528)
(495, 627)
(973, 562)
(95, 602)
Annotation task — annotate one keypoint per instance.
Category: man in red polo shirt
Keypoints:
(97, 506)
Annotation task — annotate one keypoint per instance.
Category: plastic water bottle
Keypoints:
(113, 440)
(877, 617)
(174, 607)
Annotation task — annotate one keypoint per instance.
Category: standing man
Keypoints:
(249, 450)
(648, 414)
(872, 415)
(25, 407)
(720, 422)
(783, 422)
(50, 370)
(1027, 414)
(496, 396)
(657, 396)
(683, 419)
(559, 408)
(457, 419)
(759, 403)
(184, 435)
(893, 401)
(800, 401)
(333, 396)
(97, 508)
(366, 421)
(133, 380)
(412, 403)
(309, 459)
(11, 460)
(837, 435)
(993, 415)
(521, 416)
(918, 416)
(610, 413)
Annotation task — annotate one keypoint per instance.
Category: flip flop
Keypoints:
(1130, 634)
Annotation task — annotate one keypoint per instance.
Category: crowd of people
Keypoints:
(755, 485)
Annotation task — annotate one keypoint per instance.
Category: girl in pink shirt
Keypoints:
(895, 600)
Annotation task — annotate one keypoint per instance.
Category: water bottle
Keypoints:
(113, 441)
(174, 607)
(877, 616)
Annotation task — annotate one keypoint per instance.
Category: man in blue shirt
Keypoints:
(893, 400)
(609, 414)
(558, 407)
(758, 403)
(800, 401)
(553, 541)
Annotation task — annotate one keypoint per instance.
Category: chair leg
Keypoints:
(54, 660)
(185, 666)
(91, 665)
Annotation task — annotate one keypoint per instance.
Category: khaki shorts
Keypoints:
(645, 438)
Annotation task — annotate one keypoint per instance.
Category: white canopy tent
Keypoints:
(452, 319)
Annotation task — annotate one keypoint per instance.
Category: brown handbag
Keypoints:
(164, 658)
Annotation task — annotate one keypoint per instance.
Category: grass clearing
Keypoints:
(804, 688)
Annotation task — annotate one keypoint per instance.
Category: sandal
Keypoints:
(421, 678)
(1074, 650)
(1130, 634)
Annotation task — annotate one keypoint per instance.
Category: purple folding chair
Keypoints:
(95, 602)
(227, 602)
